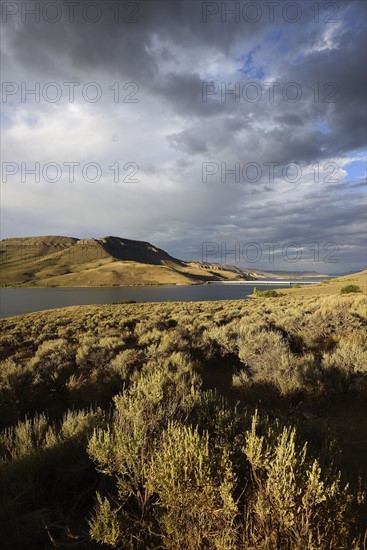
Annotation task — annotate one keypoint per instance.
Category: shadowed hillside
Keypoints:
(137, 251)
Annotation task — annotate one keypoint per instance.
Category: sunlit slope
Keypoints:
(331, 286)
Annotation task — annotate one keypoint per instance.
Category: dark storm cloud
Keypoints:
(120, 48)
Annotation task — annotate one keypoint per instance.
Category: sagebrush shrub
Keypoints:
(294, 505)
(350, 356)
(348, 289)
(267, 357)
(52, 364)
(194, 488)
(16, 390)
(174, 466)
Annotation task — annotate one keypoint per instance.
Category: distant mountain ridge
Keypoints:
(108, 261)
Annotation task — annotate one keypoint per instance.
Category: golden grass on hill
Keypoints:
(68, 262)
(330, 287)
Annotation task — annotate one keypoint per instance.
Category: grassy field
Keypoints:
(329, 287)
(226, 425)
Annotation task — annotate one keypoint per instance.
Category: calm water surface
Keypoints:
(15, 301)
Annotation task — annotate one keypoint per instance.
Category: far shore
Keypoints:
(252, 282)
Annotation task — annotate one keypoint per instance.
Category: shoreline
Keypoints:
(173, 285)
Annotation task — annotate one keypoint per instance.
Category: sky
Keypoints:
(230, 132)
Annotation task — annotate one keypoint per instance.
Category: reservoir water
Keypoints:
(15, 301)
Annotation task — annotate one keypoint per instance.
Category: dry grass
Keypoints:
(331, 287)
(174, 462)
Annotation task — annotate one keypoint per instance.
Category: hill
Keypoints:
(330, 286)
(109, 261)
(112, 261)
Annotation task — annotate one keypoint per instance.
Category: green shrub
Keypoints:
(349, 289)
(267, 293)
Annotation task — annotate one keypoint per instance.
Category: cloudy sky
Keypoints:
(202, 127)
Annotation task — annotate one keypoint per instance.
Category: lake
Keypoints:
(15, 301)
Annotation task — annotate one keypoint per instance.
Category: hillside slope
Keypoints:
(109, 261)
(330, 287)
